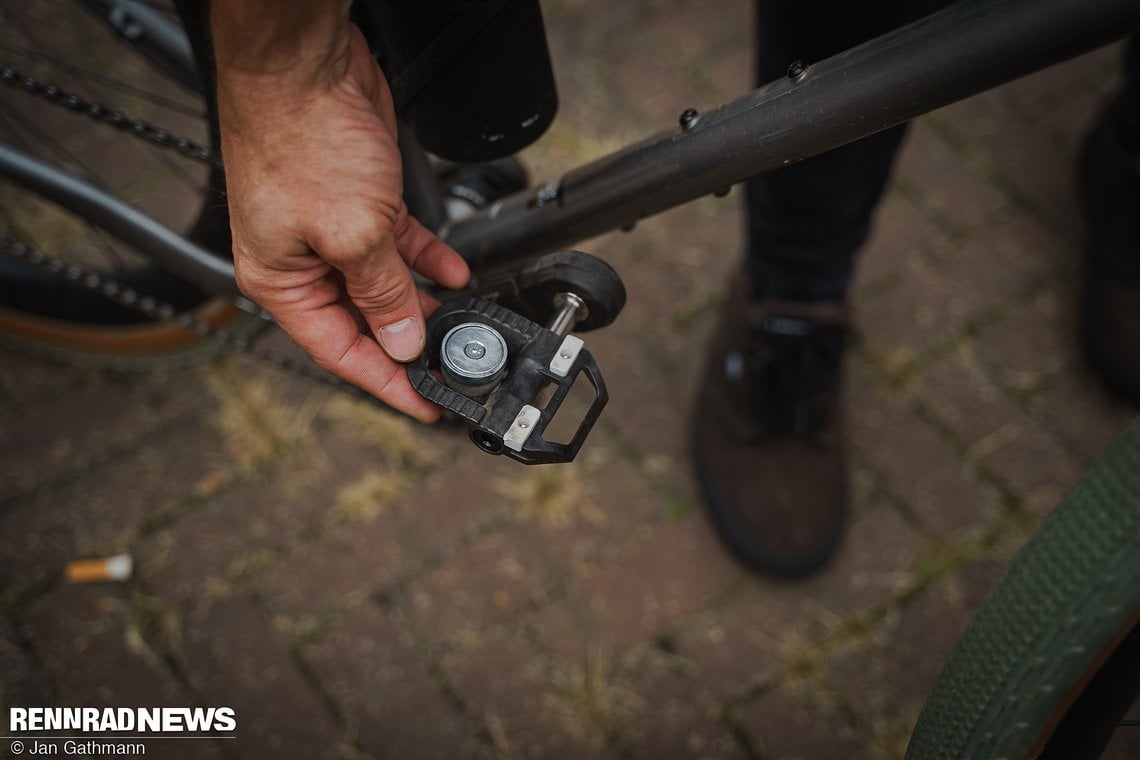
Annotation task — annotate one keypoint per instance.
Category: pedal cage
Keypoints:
(506, 419)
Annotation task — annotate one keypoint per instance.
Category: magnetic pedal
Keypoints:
(505, 374)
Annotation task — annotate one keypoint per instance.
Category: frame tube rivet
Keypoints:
(688, 119)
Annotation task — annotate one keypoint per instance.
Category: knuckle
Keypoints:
(346, 241)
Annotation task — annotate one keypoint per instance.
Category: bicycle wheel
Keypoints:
(1051, 662)
(67, 45)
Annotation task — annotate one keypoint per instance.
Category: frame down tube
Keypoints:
(957, 52)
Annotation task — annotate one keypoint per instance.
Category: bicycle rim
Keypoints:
(1050, 663)
(62, 43)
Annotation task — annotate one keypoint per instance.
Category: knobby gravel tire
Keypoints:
(1066, 603)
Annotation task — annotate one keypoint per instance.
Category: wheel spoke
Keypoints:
(66, 47)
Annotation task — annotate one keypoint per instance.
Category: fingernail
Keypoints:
(402, 340)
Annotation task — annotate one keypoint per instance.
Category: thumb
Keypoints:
(380, 286)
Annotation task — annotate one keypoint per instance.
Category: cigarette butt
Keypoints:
(117, 568)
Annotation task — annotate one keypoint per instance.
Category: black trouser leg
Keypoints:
(806, 221)
(1128, 113)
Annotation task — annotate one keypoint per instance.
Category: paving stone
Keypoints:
(91, 642)
(584, 515)
(798, 723)
(100, 514)
(681, 41)
(672, 92)
(729, 76)
(80, 428)
(674, 715)
(686, 33)
(916, 463)
(27, 382)
(371, 436)
(439, 510)
(901, 230)
(1017, 251)
(945, 182)
(888, 678)
(1035, 354)
(1093, 420)
(97, 660)
(1033, 152)
(1068, 86)
(959, 391)
(234, 656)
(1035, 465)
(592, 114)
(290, 392)
(683, 260)
(491, 581)
(641, 595)
(1034, 344)
(376, 524)
(935, 298)
(24, 683)
(764, 625)
(641, 391)
(243, 529)
(999, 433)
(390, 703)
(504, 686)
(339, 570)
(1032, 168)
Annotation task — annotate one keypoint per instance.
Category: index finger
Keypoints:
(331, 335)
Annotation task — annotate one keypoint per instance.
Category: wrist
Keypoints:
(272, 50)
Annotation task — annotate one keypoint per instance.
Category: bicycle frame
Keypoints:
(964, 49)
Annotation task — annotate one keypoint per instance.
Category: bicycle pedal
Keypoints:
(493, 367)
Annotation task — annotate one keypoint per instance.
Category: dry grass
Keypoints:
(257, 425)
(556, 496)
(371, 496)
(594, 701)
(396, 437)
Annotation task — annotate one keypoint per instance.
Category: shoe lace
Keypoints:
(794, 367)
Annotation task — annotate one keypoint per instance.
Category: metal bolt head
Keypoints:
(797, 71)
(688, 118)
(475, 350)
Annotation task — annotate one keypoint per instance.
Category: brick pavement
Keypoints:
(357, 587)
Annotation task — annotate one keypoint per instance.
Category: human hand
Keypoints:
(322, 238)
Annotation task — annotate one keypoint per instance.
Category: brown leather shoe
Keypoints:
(1110, 304)
(768, 444)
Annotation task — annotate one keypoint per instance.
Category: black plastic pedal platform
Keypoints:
(491, 366)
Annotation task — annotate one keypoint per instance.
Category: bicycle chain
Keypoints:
(139, 128)
(125, 295)
(159, 310)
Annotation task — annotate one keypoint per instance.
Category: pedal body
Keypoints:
(490, 366)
